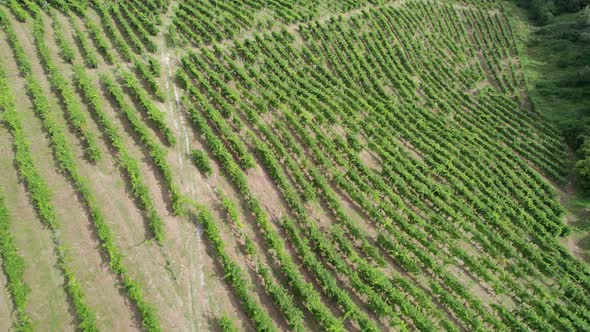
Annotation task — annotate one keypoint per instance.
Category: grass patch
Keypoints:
(556, 63)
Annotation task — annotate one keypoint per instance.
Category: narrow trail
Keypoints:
(198, 298)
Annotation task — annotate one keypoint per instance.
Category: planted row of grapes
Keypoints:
(62, 151)
(289, 270)
(94, 32)
(279, 294)
(411, 182)
(153, 148)
(204, 22)
(73, 106)
(40, 195)
(143, 100)
(533, 175)
(90, 91)
(292, 200)
(94, 100)
(463, 179)
(299, 210)
(13, 264)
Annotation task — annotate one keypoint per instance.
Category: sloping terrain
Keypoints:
(277, 165)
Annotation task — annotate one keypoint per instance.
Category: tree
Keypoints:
(584, 17)
(541, 11)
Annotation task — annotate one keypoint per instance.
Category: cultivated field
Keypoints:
(278, 165)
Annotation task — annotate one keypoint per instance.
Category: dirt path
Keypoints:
(197, 296)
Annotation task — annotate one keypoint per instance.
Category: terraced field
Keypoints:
(277, 165)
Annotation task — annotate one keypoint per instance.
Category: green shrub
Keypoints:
(202, 162)
(226, 324)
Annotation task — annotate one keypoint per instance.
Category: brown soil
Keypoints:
(370, 160)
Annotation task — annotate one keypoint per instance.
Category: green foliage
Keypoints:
(146, 72)
(153, 113)
(66, 49)
(245, 157)
(13, 266)
(226, 324)
(152, 146)
(19, 12)
(97, 37)
(35, 183)
(201, 161)
(274, 241)
(136, 40)
(283, 299)
(543, 11)
(138, 187)
(583, 19)
(277, 292)
(154, 66)
(234, 274)
(65, 158)
(73, 106)
(88, 54)
(133, 25)
(556, 61)
(112, 31)
(408, 166)
(334, 78)
(583, 163)
(230, 208)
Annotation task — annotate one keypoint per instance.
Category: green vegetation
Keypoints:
(65, 159)
(147, 74)
(227, 325)
(233, 274)
(19, 12)
(543, 11)
(36, 185)
(556, 63)
(73, 106)
(140, 191)
(153, 113)
(367, 164)
(13, 266)
(279, 294)
(66, 49)
(202, 162)
(99, 40)
(156, 151)
(88, 52)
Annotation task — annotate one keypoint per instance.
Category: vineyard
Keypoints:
(318, 165)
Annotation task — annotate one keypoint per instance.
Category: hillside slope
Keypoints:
(292, 165)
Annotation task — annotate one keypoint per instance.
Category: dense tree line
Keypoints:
(544, 10)
(561, 45)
